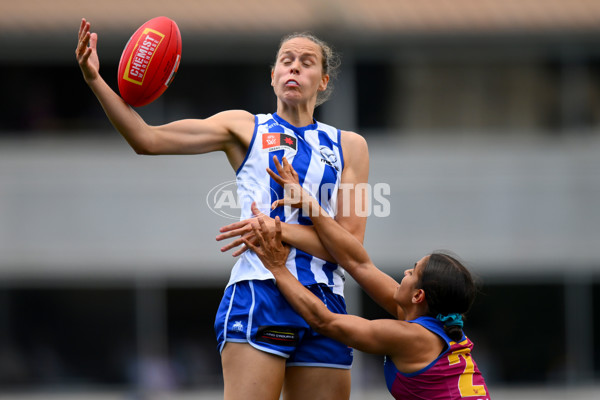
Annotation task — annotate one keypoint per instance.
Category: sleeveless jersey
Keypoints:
(453, 375)
(315, 153)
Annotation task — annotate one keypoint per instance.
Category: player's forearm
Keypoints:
(351, 254)
(309, 306)
(125, 120)
(341, 244)
(305, 238)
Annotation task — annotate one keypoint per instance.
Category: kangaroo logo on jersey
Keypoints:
(329, 157)
(273, 141)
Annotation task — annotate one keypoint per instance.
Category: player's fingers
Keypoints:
(233, 233)
(257, 232)
(278, 165)
(274, 176)
(289, 169)
(286, 164)
(83, 55)
(248, 246)
(81, 27)
(93, 40)
(277, 203)
(263, 228)
(230, 234)
(83, 44)
(276, 162)
(241, 251)
(83, 32)
(283, 170)
(86, 55)
(232, 245)
(233, 226)
(80, 44)
(255, 210)
(277, 229)
(250, 236)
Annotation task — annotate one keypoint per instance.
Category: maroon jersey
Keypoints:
(453, 375)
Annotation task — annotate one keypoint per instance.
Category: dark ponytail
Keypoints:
(449, 291)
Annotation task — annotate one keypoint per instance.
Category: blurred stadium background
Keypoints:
(482, 116)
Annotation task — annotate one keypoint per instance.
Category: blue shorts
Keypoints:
(255, 312)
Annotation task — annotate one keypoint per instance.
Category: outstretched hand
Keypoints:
(294, 194)
(86, 53)
(244, 230)
(271, 251)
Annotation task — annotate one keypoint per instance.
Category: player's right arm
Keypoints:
(351, 254)
(405, 342)
(343, 246)
(229, 131)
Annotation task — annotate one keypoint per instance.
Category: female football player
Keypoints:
(266, 347)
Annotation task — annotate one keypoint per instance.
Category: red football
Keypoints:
(149, 61)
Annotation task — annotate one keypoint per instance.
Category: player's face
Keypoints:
(298, 72)
(409, 282)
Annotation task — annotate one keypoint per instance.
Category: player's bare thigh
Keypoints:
(315, 383)
(251, 374)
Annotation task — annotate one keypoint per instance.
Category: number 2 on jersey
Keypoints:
(465, 381)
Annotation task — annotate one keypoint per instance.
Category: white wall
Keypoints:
(92, 208)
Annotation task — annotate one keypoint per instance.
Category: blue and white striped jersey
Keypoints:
(315, 153)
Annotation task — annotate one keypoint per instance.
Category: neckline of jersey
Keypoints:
(297, 129)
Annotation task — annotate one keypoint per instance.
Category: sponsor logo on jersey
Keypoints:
(273, 141)
(279, 335)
